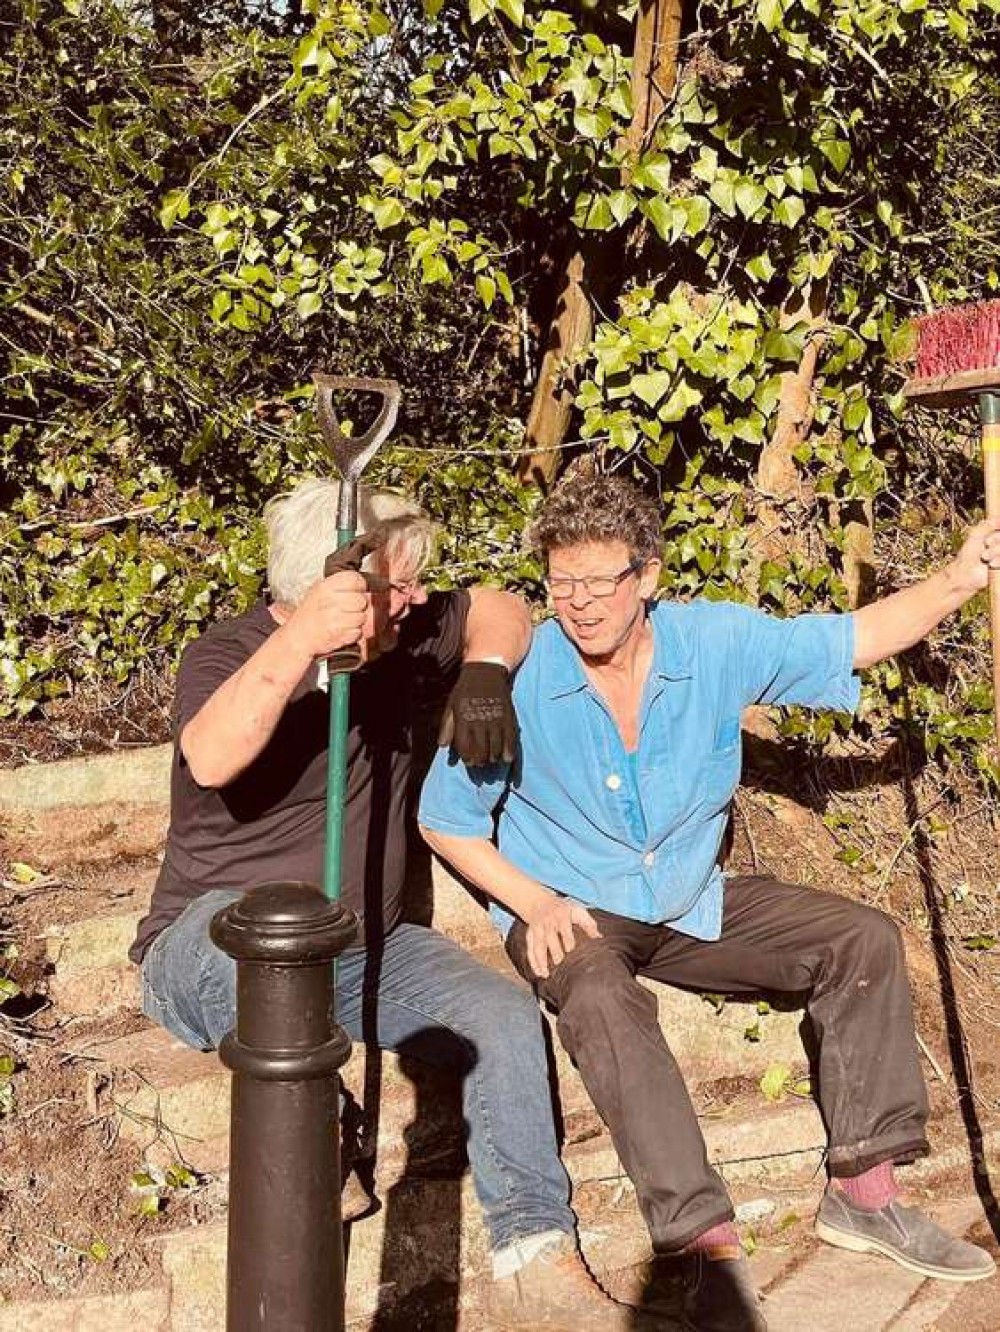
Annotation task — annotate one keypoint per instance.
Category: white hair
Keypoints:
(302, 531)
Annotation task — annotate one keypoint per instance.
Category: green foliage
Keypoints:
(197, 218)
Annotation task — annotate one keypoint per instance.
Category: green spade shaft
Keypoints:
(336, 772)
(352, 454)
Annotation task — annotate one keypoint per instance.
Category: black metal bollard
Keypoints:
(285, 1251)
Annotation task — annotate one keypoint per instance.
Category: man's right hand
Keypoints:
(551, 932)
(334, 614)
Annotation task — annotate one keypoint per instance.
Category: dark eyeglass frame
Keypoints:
(588, 580)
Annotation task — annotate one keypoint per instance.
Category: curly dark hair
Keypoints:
(598, 508)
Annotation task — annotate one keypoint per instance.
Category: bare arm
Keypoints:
(231, 729)
(498, 625)
(895, 623)
(550, 919)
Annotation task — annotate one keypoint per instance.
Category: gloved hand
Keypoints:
(353, 554)
(479, 720)
(346, 558)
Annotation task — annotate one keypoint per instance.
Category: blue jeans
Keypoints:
(428, 993)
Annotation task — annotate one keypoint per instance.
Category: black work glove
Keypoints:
(479, 720)
(348, 559)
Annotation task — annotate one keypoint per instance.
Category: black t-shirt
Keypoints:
(270, 822)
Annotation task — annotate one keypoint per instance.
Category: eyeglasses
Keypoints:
(561, 588)
(405, 587)
(379, 583)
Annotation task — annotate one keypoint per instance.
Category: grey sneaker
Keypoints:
(719, 1295)
(903, 1234)
(556, 1293)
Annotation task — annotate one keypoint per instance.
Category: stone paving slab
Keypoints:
(836, 1291)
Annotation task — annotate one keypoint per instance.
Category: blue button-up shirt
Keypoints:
(639, 834)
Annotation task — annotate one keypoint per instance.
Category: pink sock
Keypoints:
(722, 1236)
(873, 1190)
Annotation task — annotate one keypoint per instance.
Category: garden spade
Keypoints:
(352, 454)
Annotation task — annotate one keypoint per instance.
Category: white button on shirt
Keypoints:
(649, 858)
(613, 782)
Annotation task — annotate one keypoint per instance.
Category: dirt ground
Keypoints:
(921, 845)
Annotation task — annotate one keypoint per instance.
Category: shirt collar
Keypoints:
(671, 655)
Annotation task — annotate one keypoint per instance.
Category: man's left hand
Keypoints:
(479, 720)
(979, 554)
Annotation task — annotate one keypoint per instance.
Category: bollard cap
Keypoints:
(290, 923)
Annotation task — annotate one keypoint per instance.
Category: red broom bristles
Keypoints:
(966, 337)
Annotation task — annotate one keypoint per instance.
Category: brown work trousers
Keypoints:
(846, 960)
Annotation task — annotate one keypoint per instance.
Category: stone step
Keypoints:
(175, 1105)
(92, 978)
(92, 975)
(148, 1309)
(134, 776)
(174, 1101)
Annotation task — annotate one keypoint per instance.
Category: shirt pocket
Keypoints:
(720, 773)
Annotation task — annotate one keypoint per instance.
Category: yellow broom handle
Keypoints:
(991, 469)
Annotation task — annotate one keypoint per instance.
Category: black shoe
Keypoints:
(719, 1296)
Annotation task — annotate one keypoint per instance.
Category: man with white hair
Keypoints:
(248, 795)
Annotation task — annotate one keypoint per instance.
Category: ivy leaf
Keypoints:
(651, 387)
(661, 214)
(684, 397)
(593, 212)
(387, 213)
(697, 212)
(789, 210)
(654, 172)
(750, 194)
(837, 152)
(722, 192)
(622, 204)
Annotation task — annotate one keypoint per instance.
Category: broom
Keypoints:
(958, 358)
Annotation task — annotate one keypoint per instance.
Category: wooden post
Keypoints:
(654, 74)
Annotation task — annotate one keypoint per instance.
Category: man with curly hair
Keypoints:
(605, 868)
